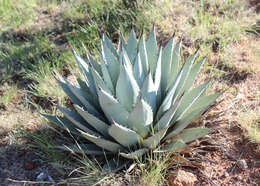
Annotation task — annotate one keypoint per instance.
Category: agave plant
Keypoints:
(138, 98)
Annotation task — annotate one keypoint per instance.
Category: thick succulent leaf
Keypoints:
(167, 54)
(111, 61)
(143, 55)
(62, 122)
(83, 98)
(158, 70)
(90, 149)
(84, 88)
(122, 42)
(112, 108)
(67, 90)
(176, 145)
(175, 63)
(94, 63)
(176, 89)
(148, 92)
(153, 141)
(77, 120)
(119, 45)
(157, 78)
(102, 142)
(165, 120)
(92, 120)
(193, 73)
(106, 77)
(190, 134)
(152, 51)
(201, 105)
(168, 100)
(85, 69)
(127, 89)
(109, 44)
(132, 46)
(202, 101)
(138, 70)
(115, 165)
(123, 135)
(140, 118)
(125, 60)
(189, 99)
(99, 82)
(185, 75)
(134, 155)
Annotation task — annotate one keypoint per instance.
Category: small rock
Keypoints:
(41, 177)
(29, 165)
(182, 178)
(226, 174)
(242, 164)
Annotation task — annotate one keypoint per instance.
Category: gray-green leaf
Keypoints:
(127, 89)
(190, 134)
(138, 70)
(148, 92)
(123, 135)
(140, 117)
(152, 51)
(90, 149)
(176, 145)
(134, 155)
(112, 108)
(77, 120)
(166, 64)
(103, 143)
(92, 120)
(153, 141)
(201, 105)
(143, 55)
(131, 47)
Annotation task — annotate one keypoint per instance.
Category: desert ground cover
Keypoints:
(35, 40)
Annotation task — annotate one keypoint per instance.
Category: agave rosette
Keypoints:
(137, 97)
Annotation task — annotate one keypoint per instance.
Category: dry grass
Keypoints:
(244, 54)
(8, 94)
(250, 121)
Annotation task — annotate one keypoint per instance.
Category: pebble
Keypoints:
(242, 164)
(41, 177)
(226, 174)
(182, 178)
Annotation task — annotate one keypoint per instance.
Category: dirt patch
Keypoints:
(244, 54)
(232, 145)
(216, 159)
(255, 4)
(18, 165)
(232, 148)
